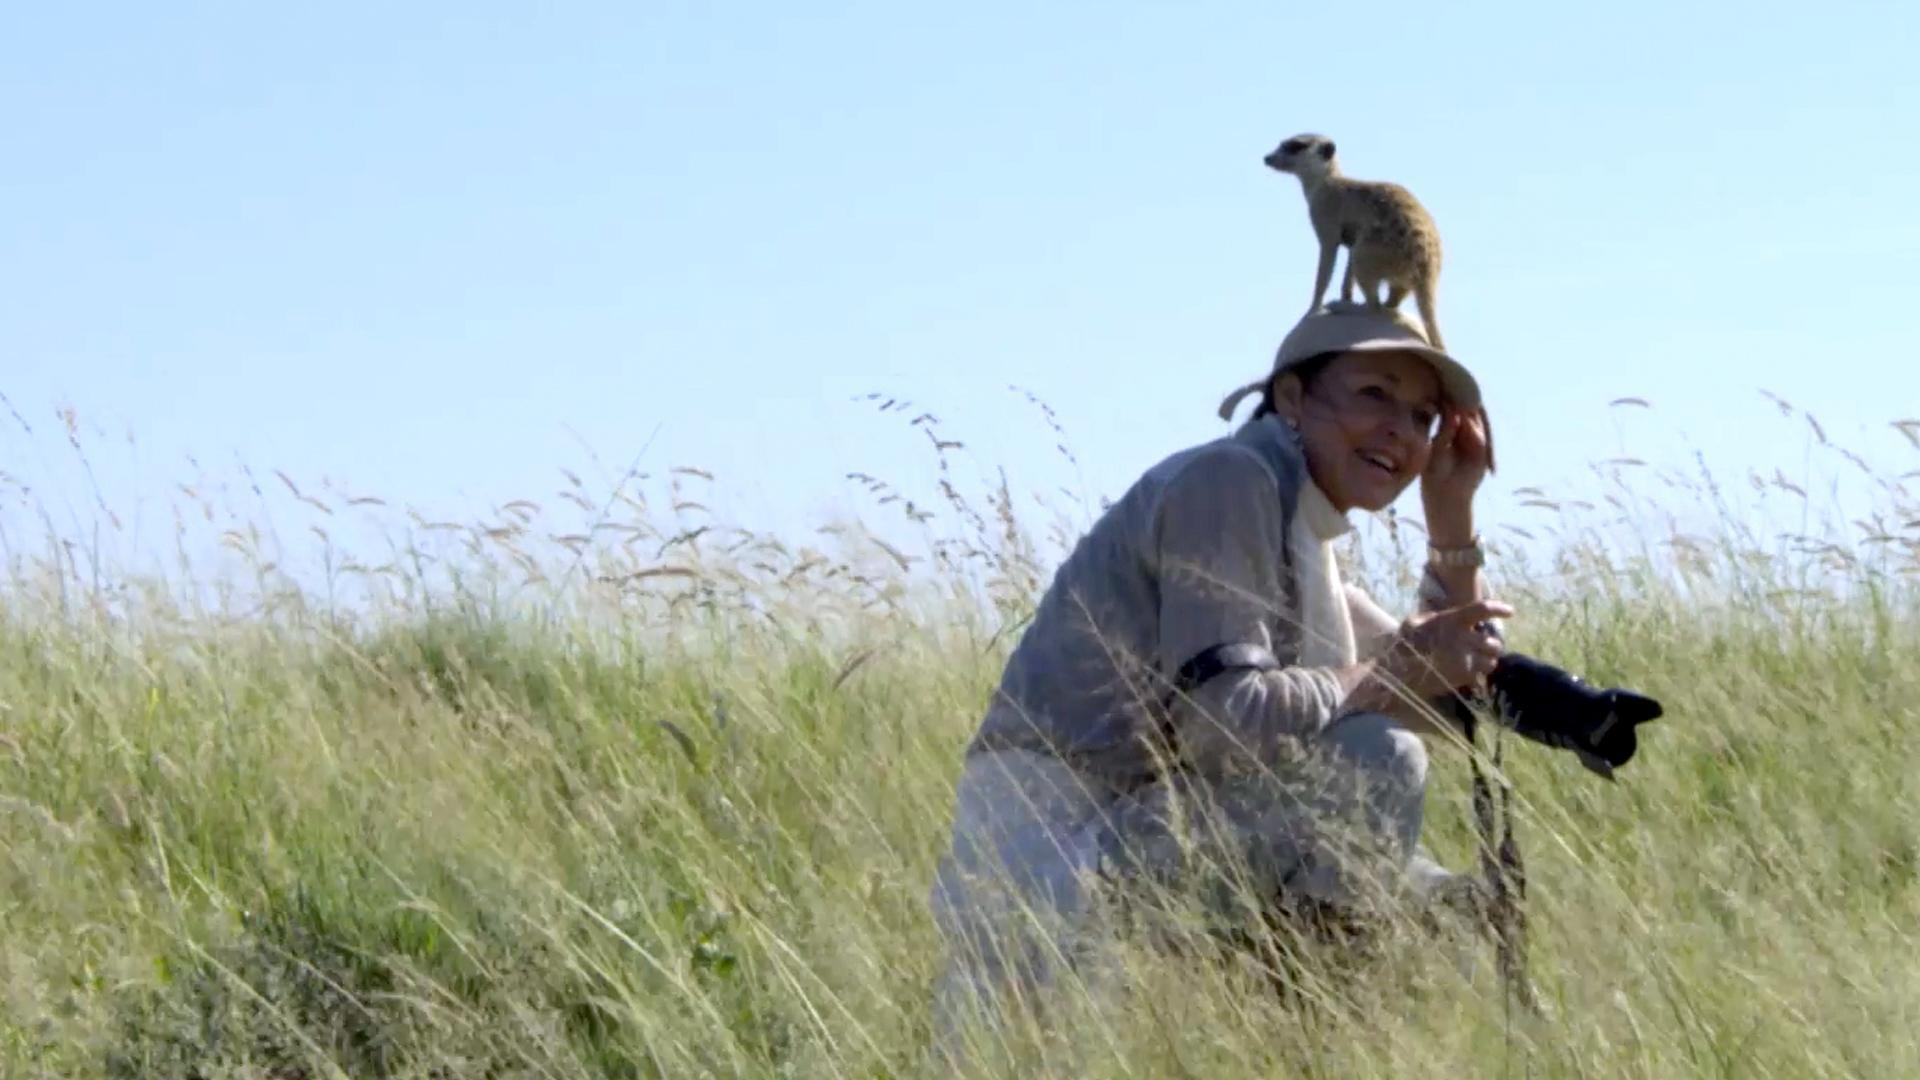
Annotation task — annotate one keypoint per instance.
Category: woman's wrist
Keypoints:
(1392, 680)
(1370, 687)
(1452, 578)
(1451, 526)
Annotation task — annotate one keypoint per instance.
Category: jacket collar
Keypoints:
(1279, 446)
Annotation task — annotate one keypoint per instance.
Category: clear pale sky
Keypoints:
(436, 252)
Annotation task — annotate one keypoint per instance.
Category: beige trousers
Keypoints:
(1033, 841)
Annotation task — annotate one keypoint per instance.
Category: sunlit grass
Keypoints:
(600, 786)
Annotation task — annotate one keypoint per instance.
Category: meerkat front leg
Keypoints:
(1325, 275)
(1346, 283)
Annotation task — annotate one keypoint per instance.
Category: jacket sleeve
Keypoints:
(1218, 539)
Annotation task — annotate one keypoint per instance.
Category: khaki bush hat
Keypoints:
(1346, 326)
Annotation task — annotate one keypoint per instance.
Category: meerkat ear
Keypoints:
(1326, 150)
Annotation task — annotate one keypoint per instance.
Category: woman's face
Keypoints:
(1366, 425)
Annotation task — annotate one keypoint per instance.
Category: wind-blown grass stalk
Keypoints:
(599, 785)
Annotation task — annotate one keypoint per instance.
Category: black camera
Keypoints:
(1557, 708)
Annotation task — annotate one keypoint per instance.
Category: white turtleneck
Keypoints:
(1327, 639)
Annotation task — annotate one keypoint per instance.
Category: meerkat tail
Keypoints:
(1423, 296)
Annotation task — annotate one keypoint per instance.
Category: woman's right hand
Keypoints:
(1439, 652)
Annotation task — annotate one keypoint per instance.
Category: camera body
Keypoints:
(1557, 708)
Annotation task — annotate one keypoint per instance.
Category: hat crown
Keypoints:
(1341, 324)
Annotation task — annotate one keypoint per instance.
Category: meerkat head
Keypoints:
(1309, 157)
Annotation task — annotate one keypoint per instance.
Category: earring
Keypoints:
(1292, 428)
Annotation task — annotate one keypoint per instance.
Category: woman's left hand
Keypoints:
(1458, 463)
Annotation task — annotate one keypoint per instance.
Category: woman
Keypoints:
(1197, 659)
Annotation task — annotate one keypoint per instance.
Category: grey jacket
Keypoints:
(1194, 555)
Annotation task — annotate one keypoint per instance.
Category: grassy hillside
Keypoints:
(591, 807)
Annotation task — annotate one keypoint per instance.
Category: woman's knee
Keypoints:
(1380, 747)
(1020, 851)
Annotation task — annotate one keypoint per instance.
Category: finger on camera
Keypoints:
(1478, 611)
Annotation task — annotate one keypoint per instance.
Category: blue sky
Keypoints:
(437, 252)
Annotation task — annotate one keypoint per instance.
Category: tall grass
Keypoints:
(600, 786)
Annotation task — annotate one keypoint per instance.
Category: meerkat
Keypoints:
(1390, 237)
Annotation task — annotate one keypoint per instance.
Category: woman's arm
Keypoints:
(1455, 467)
(1375, 631)
(1218, 542)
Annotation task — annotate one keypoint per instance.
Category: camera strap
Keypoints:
(1501, 864)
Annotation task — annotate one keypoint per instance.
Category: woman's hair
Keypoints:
(1306, 371)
